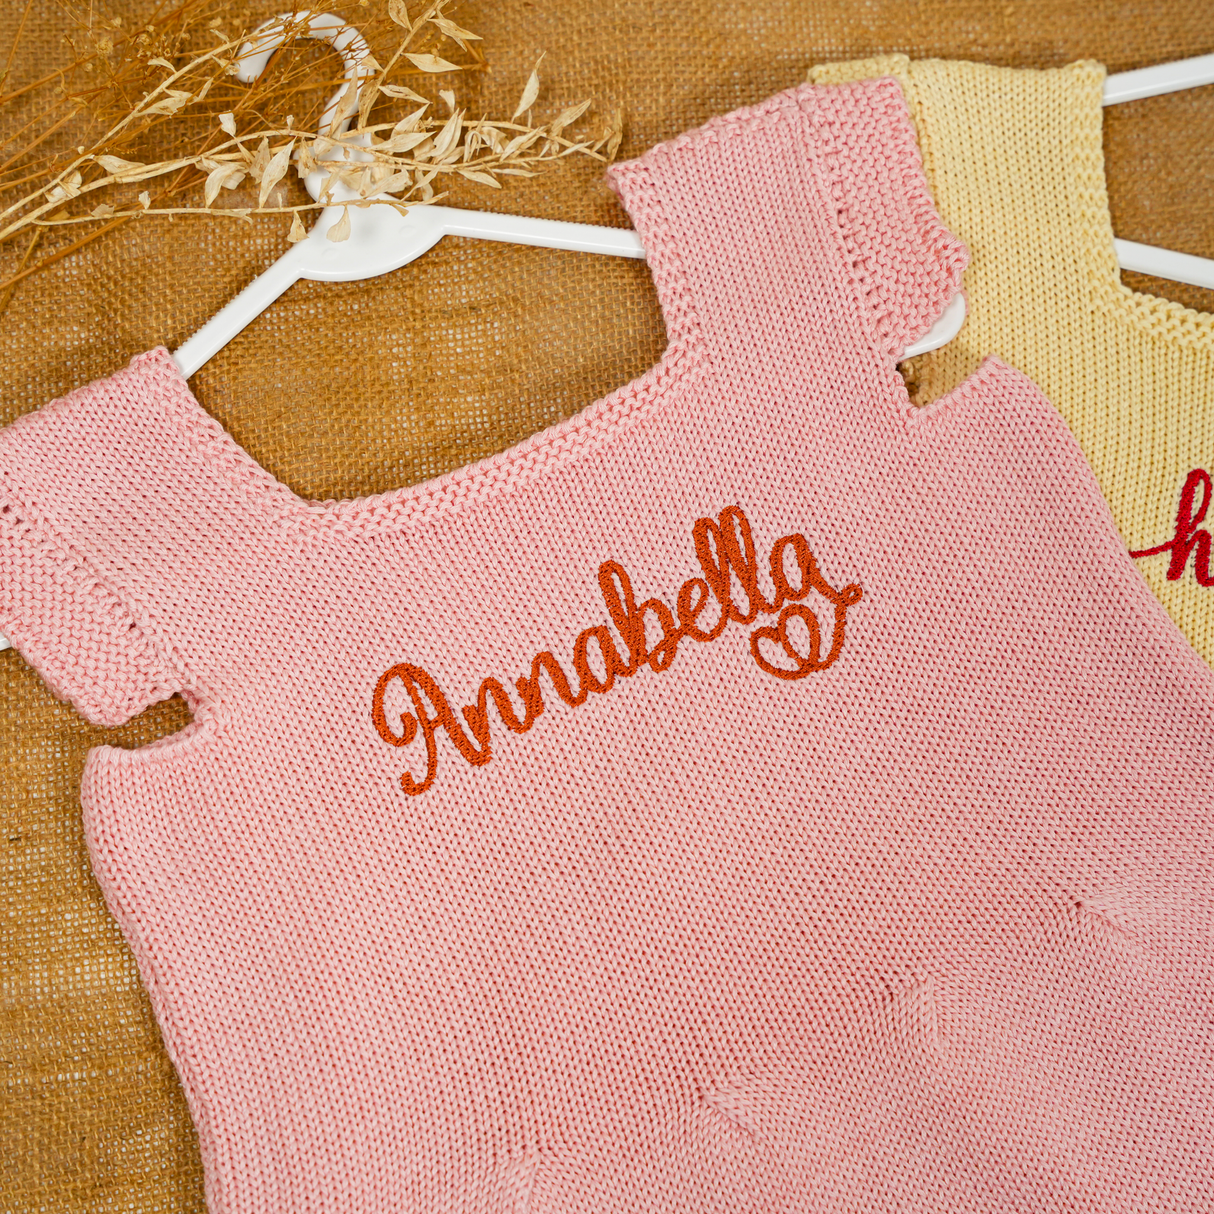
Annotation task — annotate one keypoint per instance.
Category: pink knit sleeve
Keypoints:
(87, 489)
(809, 210)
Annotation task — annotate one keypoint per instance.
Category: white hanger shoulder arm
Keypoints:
(1153, 82)
(1158, 79)
(382, 239)
(1164, 263)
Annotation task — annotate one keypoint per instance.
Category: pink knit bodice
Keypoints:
(753, 794)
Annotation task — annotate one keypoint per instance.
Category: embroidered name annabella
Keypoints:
(725, 549)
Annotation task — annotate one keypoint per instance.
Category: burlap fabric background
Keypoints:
(355, 388)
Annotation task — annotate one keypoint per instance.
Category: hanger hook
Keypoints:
(356, 60)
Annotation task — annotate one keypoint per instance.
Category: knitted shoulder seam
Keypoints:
(916, 208)
(664, 259)
(32, 530)
(1086, 148)
(860, 271)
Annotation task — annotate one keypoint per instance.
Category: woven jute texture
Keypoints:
(354, 388)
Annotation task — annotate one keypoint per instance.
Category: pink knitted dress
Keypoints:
(753, 794)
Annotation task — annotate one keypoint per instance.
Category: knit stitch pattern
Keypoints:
(1015, 162)
(852, 852)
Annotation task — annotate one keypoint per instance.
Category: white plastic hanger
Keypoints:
(1151, 82)
(381, 239)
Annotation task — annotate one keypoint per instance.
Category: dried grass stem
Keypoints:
(231, 139)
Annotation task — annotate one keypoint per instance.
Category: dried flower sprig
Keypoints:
(396, 163)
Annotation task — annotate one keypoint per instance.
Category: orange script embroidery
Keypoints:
(725, 549)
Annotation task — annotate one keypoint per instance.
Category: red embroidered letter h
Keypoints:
(1188, 538)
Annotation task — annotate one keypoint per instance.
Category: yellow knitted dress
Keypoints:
(1015, 161)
